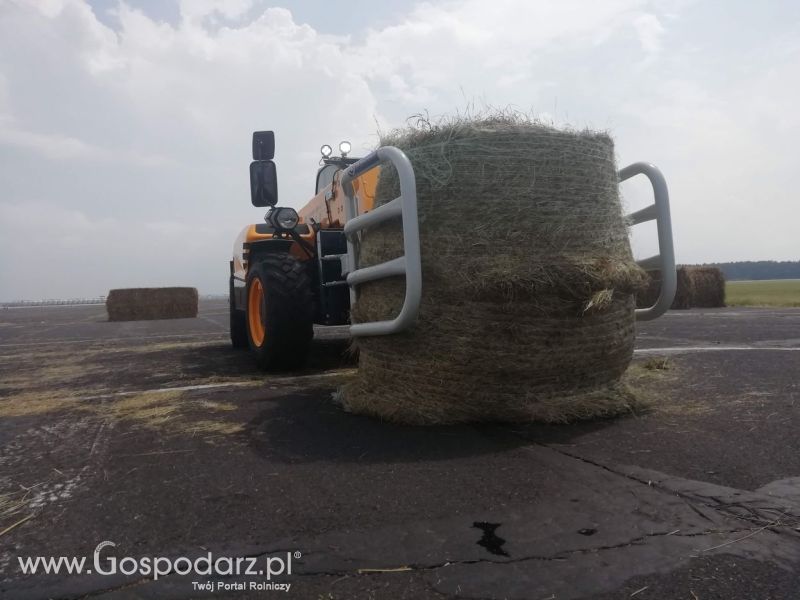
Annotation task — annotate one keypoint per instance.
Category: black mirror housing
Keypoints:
(263, 145)
(263, 183)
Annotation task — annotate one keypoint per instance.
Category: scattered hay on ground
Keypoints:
(216, 406)
(12, 504)
(174, 411)
(35, 403)
(657, 363)
(214, 427)
(148, 408)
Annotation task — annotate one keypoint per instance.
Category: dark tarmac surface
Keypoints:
(159, 437)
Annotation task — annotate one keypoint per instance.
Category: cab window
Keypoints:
(325, 176)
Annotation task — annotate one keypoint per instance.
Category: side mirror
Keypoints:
(263, 183)
(263, 145)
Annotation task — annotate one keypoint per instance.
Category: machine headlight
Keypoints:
(284, 218)
(326, 151)
(344, 148)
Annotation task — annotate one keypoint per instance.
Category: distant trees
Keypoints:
(759, 269)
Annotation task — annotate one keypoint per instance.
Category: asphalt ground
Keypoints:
(159, 437)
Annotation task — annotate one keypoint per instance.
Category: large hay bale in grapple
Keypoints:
(528, 281)
(708, 284)
(140, 304)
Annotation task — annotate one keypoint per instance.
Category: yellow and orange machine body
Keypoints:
(326, 209)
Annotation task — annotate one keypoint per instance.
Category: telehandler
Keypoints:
(299, 268)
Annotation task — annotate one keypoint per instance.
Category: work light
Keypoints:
(283, 218)
(326, 151)
(344, 148)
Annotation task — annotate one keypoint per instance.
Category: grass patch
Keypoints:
(771, 292)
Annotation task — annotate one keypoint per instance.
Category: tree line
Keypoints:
(759, 269)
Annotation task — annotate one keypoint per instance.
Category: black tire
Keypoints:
(238, 322)
(286, 314)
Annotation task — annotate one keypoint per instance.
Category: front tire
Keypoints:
(279, 311)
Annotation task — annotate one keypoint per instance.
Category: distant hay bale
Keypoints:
(684, 291)
(708, 285)
(141, 304)
(698, 287)
(528, 280)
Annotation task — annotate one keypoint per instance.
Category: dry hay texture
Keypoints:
(140, 304)
(698, 287)
(709, 287)
(528, 280)
(684, 291)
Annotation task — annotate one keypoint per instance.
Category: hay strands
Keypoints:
(749, 535)
(17, 524)
(386, 570)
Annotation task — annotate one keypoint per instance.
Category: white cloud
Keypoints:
(47, 146)
(144, 129)
(60, 147)
(650, 32)
(194, 11)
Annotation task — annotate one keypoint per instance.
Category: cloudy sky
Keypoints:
(125, 126)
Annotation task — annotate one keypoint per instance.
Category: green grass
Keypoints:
(771, 292)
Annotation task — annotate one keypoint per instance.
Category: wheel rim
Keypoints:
(255, 312)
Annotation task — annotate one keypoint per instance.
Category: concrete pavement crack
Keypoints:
(716, 504)
(554, 557)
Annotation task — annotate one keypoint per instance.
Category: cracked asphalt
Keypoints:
(158, 437)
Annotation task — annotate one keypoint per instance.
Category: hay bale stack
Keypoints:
(698, 287)
(141, 304)
(528, 281)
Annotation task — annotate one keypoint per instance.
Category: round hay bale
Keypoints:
(141, 304)
(528, 280)
(708, 285)
(698, 287)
